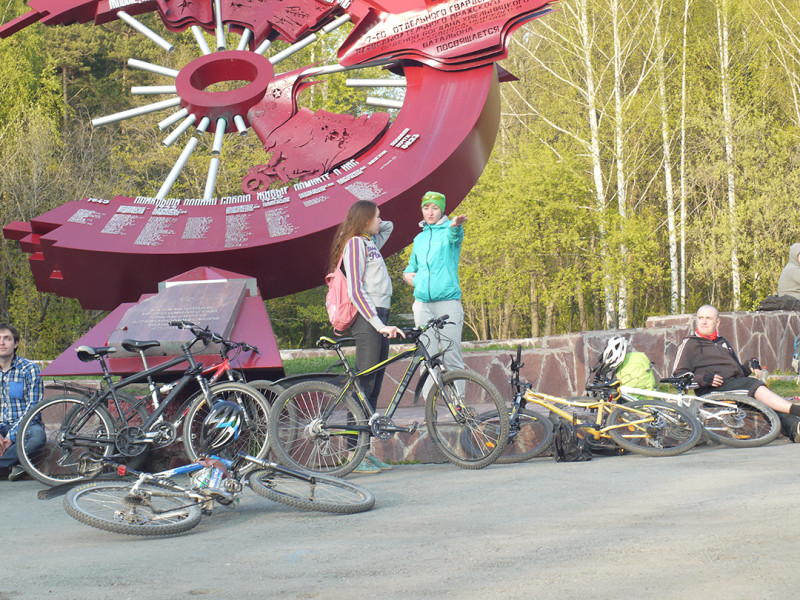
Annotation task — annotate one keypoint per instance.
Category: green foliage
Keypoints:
(545, 245)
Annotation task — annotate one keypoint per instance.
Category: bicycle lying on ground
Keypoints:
(155, 504)
(111, 422)
(318, 426)
(726, 417)
(647, 427)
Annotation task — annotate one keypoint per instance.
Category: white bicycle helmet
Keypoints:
(614, 354)
(221, 426)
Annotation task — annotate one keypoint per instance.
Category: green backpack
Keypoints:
(636, 371)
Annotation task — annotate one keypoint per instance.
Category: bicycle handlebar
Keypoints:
(209, 336)
(682, 382)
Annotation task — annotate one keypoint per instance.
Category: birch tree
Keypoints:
(658, 6)
(683, 156)
(727, 120)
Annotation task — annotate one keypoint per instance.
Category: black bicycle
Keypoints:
(109, 422)
(318, 426)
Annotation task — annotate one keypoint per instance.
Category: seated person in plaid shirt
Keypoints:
(20, 388)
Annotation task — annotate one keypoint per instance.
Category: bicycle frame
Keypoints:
(101, 396)
(419, 355)
(205, 495)
(602, 409)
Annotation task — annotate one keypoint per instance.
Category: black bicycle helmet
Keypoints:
(221, 426)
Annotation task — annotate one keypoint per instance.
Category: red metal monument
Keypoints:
(277, 226)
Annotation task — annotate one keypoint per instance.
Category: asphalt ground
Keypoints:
(715, 522)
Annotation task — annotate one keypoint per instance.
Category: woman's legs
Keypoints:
(371, 348)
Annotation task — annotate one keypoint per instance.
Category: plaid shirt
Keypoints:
(20, 388)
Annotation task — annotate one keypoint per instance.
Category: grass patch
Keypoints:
(490, 347)
(320, 364)
(784, 387)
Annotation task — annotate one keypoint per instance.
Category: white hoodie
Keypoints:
(789, 281)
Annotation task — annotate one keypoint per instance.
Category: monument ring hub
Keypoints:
(234, 65)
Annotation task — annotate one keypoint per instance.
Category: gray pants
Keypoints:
(371, 348)
(448, 339)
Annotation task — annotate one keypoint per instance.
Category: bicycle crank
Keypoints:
(384, 428)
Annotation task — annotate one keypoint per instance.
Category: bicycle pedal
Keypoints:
(410, 429)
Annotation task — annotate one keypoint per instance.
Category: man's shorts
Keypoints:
(740, 384)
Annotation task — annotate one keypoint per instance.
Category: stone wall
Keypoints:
(558, 364)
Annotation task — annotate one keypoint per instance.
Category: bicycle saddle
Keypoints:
(329, 344)
(90, 353)
(609, 385)
(137, 345)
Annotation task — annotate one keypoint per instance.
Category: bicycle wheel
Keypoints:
(736, 420)
(653, 428)
(253, 438)
(326, 494)
(529, 437)
(71, 431)
(153, 509)
(454, 422)
(267, 388)
(311, 429)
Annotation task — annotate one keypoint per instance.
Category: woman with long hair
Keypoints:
(359, 240)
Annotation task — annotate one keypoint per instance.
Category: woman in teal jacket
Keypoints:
(433, 272)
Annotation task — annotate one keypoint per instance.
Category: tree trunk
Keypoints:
(601, 202)
(534, 308)
(583, 320)
(549, 319)
(727, 119)
(668, 190)
(619, 152)
(683, 159)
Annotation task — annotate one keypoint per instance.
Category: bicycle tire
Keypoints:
(671, 431)
(253, 438)
(269, 389)
(747, 423)
(532, 435)
(109, 505)
(57, 461)
(327, 494)
(463, 438)
(308, 429)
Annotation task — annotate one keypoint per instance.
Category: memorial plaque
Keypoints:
(251, 325)
(212, 304)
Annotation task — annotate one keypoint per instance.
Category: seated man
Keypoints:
(20, 388)
(712, 361)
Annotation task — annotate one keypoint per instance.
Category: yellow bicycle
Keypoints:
(648, 427)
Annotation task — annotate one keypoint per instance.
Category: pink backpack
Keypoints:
(341, 311)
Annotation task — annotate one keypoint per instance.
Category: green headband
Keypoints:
(434, 198)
